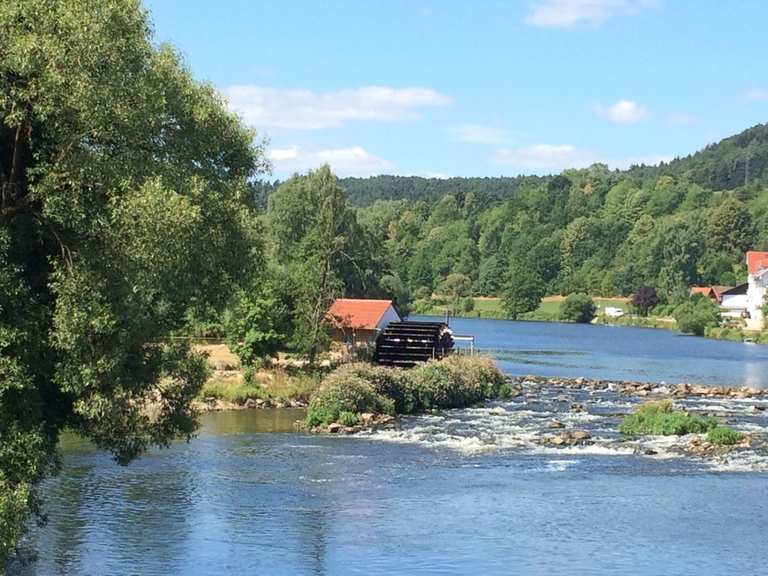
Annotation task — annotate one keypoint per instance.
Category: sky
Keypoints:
(484, 88)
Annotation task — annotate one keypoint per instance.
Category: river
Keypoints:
(459, 492)
(618, 352)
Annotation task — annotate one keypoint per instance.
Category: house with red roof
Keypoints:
(757, 286)
(357, 321)
(714, 293)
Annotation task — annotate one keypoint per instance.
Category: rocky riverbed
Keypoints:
(582, 416)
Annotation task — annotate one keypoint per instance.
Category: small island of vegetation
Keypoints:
(360, 388)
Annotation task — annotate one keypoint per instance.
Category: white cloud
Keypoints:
(263, 107)
(548, 158)
(757, 94)
(566, 13)
(622, 112)
(479, 134)
(283, 154)
(683, 119)
(544, 157)
(351, 161)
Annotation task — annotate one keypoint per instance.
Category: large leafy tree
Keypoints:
(522, 292)
(121, 187)
(315, 235)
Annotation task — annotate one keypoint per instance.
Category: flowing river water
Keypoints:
(474, 491)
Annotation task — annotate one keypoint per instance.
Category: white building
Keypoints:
(734, 302)
(757, 286)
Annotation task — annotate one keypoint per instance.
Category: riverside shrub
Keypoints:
(661, 419)
(394, 383)
(454, 382)
(343, 391)
(724, 436)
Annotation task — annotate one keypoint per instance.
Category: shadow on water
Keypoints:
(252, 421)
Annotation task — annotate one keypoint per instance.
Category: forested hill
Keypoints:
(726, 165)
(595, 230)
(365, 191)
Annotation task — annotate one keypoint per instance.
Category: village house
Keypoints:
(733, 302)
(357, 322)
(714, 293)
(757, 285)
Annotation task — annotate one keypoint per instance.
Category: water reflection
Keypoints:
(252, 421)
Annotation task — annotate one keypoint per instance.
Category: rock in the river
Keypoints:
(334, 428)
(367, 418)
(558, 440)
(556, 424)
(569, 438)
(577, 407)
(580, 435)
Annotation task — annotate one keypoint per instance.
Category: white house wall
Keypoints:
(756, 290)
(390, 315)
(735, 302)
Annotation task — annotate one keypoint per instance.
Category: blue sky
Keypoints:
(481, 88)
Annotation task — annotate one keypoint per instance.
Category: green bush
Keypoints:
(730, 334)
(393, 383)
(506, 390)
(348, 418)
(345, 392)
(578, 308)
(435, 385)
(661, 419)
(696, 315)
(454, 382)
(724, 436)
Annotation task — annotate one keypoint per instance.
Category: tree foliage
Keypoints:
(121, 206)
(578, 308)
(522, 292)
(696, 315)
(644, 298)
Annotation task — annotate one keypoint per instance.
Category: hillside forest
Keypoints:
(597, 231)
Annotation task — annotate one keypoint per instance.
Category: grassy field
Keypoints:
(486, 307)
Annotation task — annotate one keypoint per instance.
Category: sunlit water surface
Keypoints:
(460, 492)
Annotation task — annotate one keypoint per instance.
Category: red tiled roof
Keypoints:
(353, 313)
(756, 261)
(701, 290)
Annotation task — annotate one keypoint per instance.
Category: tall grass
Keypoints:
(276, 386)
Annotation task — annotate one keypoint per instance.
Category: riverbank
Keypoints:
(282, 385)
(485, 307)
(490, 307)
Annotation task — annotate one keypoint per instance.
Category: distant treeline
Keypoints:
(595, 230)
